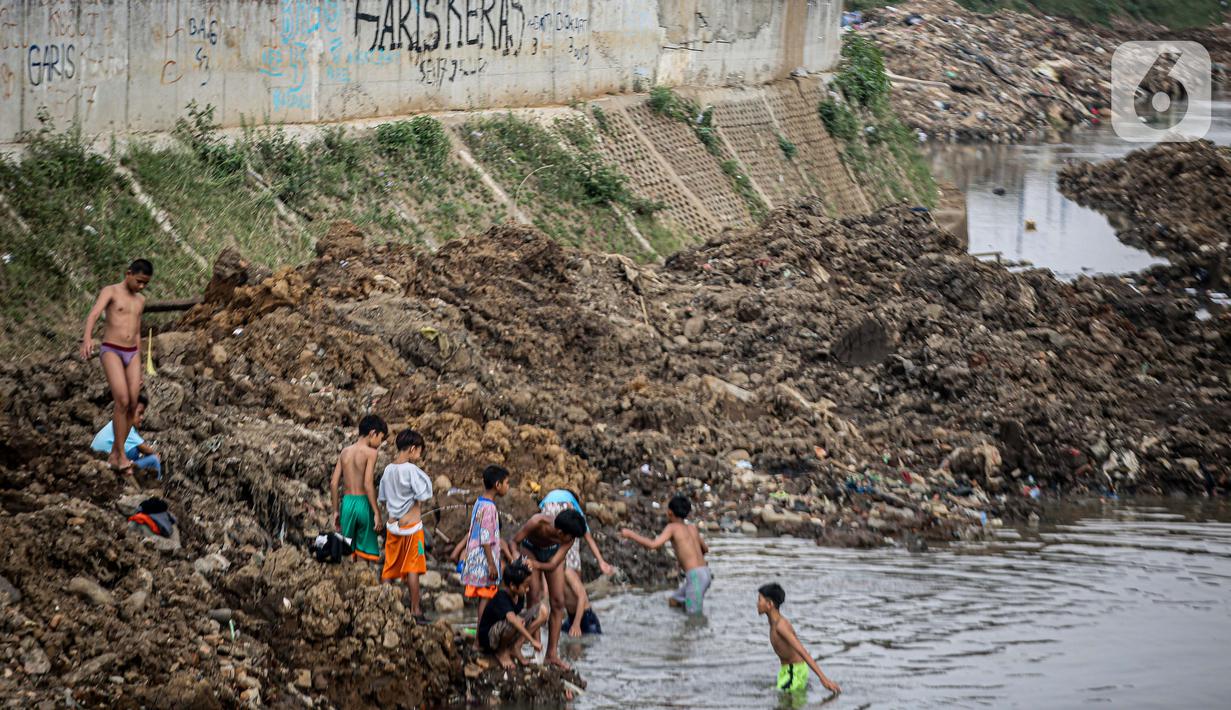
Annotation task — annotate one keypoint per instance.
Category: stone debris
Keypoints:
(974, 390)
(1005, 76)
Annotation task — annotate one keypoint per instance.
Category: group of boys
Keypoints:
(543, 557)
(403, 489)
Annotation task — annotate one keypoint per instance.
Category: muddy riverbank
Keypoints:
(1173, 200)
(859, 381)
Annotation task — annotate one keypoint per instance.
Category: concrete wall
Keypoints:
(116, 65)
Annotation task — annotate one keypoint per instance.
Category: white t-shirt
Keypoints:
(403, 485)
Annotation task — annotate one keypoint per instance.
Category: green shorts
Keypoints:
(357, 522)
(793, 678)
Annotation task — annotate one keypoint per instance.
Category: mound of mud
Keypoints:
(998, 77)
(1173, 199)
(855, 381)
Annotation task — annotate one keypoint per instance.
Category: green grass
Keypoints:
(566, 187)
(743, 187)
(83, 228)
(83, 223)
(881, 151)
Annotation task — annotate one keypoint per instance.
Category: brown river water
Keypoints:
(1104, 604)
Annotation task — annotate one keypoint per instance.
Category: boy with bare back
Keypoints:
(794, 658)
(690, 551)
(545, 541)
(122, 303)
(356, 517)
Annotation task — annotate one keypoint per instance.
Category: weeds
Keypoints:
(788, 148)
(839, 120)
(423, 137)
(881, 151)
(743, 187)
(666, 102)
(600, 118)
(576, 187)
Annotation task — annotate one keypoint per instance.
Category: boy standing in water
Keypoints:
(793, 674)
(577, 601)
(481, 566)
(690, 551)
(356, 517)
(123, 304)
(403, 487)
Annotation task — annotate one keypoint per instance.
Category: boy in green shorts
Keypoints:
(796, 661)
(356, 517)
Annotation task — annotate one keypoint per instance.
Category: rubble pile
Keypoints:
(1172, 200)
(1001, 77)
(859, 381)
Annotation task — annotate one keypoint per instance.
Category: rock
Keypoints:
(251, 696)
(211, 564)
(748, 528)
(8, 593)
(390, 639)
(90, 590)
(449, 603)
(129, 504)
(441, 485)
(303, 678)
(135, 603)
(431, 580)
(726, 389)
(694, 327)
(222, 615)
(35, 661)
(90, 668)
(1192, 466)
(218, 355)
(774, 519)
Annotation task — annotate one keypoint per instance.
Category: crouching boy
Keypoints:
(507, 623)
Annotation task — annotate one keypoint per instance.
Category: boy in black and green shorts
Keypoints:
(355, 517)
(796, 661)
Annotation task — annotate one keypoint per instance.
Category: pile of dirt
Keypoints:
(1173, 200)
(961, 75)
(860, 381)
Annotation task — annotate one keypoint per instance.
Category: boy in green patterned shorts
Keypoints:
(690, 551)
(356, 517)
(796, 661)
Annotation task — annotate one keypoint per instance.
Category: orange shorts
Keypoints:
(480, 592)
(404, 555)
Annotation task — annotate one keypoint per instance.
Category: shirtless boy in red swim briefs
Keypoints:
(122, 303)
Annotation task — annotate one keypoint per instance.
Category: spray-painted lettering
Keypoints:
(50, 63)
(427, 25)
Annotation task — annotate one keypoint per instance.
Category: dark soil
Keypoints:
(861, 382)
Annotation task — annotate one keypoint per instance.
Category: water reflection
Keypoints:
(1067, 238)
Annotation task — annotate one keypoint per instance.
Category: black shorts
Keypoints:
(542, 554)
